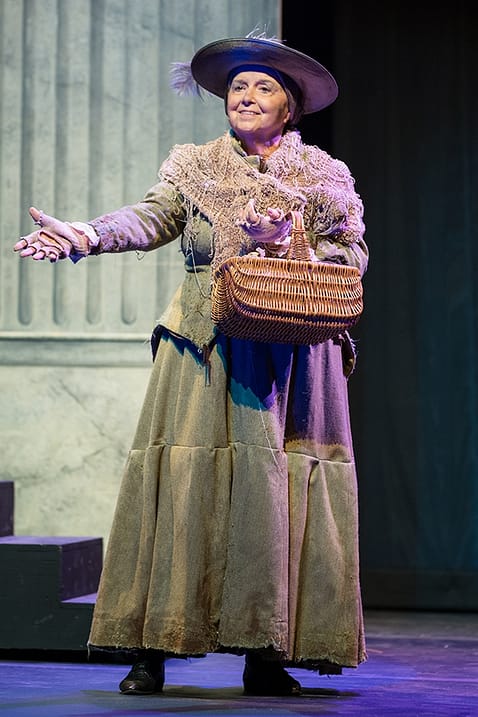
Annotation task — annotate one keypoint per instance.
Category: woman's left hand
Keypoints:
(273, 227)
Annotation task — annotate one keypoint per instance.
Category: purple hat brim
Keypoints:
(212, 64)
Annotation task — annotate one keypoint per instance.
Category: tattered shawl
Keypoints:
(217, 180)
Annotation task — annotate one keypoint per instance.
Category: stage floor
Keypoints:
(423, 664)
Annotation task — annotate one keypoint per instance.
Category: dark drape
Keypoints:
(406, 123)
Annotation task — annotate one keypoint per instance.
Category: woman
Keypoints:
(236, 523)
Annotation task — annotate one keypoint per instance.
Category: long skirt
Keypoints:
(236, 525)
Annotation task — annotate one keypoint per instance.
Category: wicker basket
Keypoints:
(286, 300)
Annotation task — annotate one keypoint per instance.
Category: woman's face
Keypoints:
(257, 106)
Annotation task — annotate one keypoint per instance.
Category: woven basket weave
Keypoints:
(286, 300)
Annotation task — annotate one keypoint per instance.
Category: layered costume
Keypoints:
(236, 525)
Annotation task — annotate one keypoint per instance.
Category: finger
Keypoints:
(251, 215)
(21, 244)
(248, 215)
(28, 251)
(36, 214)
(53, 257)
(54, 241)
(46, 220)
(277, 216)
(275, 213)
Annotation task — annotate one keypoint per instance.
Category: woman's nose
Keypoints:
(248, 95)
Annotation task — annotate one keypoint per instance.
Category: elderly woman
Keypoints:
(236, 526)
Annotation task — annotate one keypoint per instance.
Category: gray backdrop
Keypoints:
(86, 117)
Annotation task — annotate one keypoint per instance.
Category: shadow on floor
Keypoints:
(423, 664)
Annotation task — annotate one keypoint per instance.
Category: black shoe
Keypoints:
(145, 678)
(267, 678)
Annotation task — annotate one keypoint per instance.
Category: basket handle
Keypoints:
(299, 244)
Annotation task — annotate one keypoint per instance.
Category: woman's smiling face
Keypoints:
(257, 106)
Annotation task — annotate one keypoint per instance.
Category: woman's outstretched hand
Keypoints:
(273, 227)
(54, 239)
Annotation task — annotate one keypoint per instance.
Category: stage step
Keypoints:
(6, 507)
(45, 583)
(48, 587)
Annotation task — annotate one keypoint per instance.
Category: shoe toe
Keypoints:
(142, 680)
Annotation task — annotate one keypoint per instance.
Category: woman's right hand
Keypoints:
(54, 239)
(273, 227)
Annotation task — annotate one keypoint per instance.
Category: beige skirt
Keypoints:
(236, 524)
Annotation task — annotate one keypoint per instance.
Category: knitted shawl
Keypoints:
(217, 180)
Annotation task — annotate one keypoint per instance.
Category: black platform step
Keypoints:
(48, 590)
(6, 507)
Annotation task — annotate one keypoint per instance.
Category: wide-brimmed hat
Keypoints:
(213, 63)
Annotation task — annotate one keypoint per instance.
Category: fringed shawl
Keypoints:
(217, 180)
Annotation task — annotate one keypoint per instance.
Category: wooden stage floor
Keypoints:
(419, 664)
